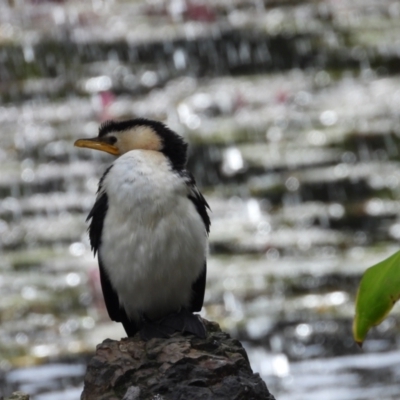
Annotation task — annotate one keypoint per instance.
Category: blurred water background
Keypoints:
(292, 111)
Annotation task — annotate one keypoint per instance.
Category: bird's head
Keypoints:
(119, 137)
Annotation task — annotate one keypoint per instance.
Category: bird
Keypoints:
(149, 228)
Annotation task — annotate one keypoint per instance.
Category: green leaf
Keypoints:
(378, 292)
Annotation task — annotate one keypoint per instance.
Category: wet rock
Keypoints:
(180, 367)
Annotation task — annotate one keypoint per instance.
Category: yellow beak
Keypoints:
(97, 144)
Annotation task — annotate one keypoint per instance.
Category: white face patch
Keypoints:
(138, 138)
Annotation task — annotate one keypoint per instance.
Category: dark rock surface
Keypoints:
(177, 368)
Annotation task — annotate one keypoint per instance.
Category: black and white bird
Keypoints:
(149, 227)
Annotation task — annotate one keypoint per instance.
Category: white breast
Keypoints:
(154, 242)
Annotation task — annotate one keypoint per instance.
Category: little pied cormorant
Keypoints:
(149, 227)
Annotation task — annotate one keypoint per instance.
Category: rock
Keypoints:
(177, 368)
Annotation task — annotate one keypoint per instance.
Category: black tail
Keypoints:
(131, 328)
(182, 321)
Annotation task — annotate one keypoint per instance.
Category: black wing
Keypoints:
(198, 290)
(198, 199)
(97, 215)
(199, 285)
(115, 312)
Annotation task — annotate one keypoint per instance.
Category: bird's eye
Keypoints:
(111, 139)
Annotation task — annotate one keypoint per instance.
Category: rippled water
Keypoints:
(292, 112)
